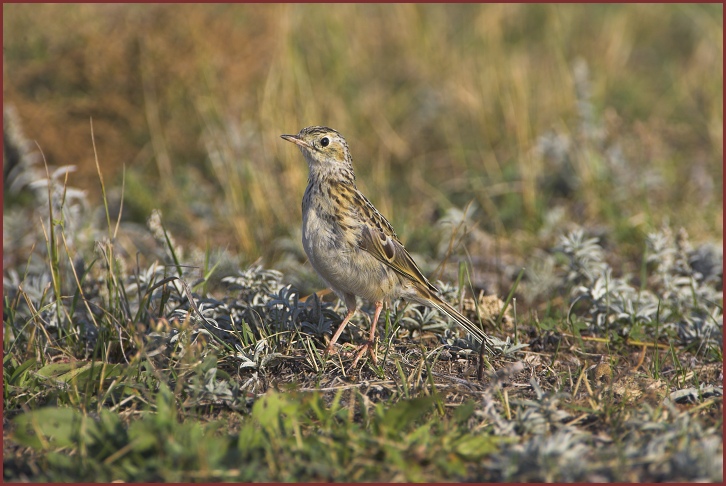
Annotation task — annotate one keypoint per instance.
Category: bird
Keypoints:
(352, 246)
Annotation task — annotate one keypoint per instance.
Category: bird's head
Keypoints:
(325, 151)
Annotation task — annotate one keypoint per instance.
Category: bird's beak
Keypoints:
(298, 141)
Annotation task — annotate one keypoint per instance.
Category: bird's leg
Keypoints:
(370, 345)
(351, 311)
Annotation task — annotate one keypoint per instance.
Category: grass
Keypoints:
(561, 164)
(130, 376)
(519, 108)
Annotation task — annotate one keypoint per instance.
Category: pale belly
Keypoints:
(346, 268)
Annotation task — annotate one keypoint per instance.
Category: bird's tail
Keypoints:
(443, 306)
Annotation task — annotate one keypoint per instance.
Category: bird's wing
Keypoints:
(391, 252)
(378, 238)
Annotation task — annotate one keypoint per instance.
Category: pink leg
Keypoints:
(337, 334)
(370, 345)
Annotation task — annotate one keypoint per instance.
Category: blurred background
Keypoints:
(482, 131)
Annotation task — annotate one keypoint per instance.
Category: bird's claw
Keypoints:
(358, 350)
(369, 346)
(330, 350)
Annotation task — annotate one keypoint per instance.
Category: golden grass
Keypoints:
(441, 104)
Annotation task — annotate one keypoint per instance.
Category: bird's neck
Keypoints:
(331, 176)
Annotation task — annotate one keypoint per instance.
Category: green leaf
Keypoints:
(249, 438)
(60, 461)
(143, 435)
(421, 435)
(20, 371)
(165, 417)
(406, 412)
(274, 412)
(80, 370)
(82, 374)
(56, 427)
(473, 447)
(55, 370)
(209, 362)
(464, 411)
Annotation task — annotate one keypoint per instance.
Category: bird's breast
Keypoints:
(330, 239)
(327, 231)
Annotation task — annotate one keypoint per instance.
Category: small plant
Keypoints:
(674, 301)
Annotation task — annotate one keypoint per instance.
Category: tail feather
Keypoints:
(443, 306)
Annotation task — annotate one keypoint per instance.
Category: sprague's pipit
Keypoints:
(351, 245)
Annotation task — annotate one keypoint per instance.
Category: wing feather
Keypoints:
(378, 238)
(391, 252)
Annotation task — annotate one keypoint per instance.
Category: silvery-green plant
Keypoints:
(675, 298)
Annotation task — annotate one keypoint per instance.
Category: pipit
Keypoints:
(351, 245)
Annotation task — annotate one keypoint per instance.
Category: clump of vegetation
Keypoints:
(136, 351)
(121, 367)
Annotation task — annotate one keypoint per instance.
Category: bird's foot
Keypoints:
(369, 346)
(330, 350)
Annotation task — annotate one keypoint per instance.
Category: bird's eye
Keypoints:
(325, 141)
